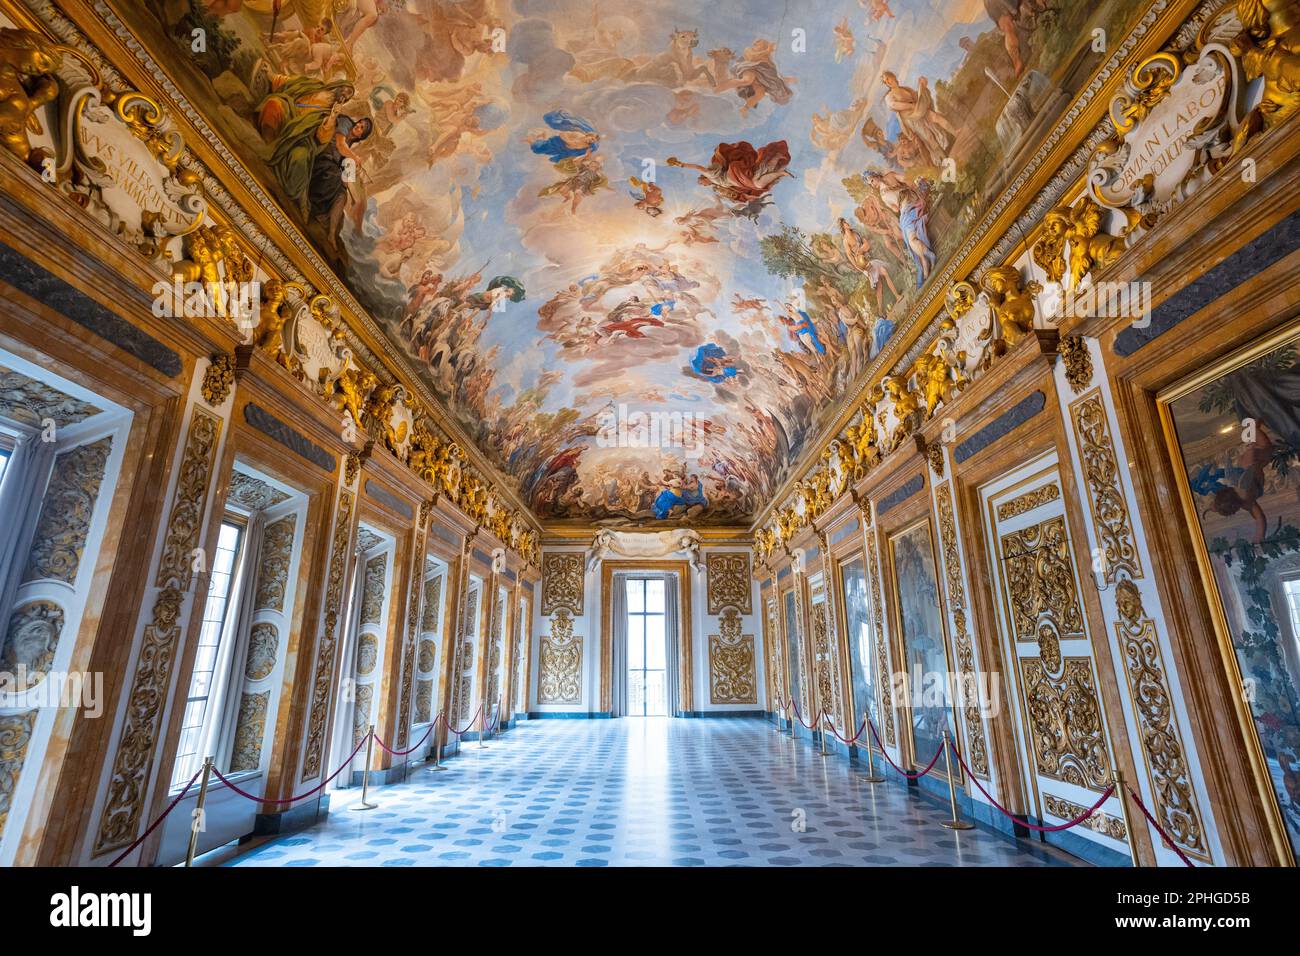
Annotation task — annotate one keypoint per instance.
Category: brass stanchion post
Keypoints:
(793, 717)
(1121, 792)
(437, 747)
(825, 722)
(482, 724)
(871, 776)
(365, 803)
(956, 823)
(197, 820)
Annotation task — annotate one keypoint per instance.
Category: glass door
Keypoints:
(647, 690)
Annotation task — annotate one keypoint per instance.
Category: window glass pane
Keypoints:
(654, 595)
(635, 594)
(636, 692)
(4, 463)
(217, 610)
(654, 641)
(635, 641)
(656, 694)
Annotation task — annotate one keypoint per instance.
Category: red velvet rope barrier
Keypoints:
(1018, 819)
(1161, 830)
(910, 776)
(800, 716)
(302, 796)
(418, 744)
(154, 826)
(861, 728)
(468, 726)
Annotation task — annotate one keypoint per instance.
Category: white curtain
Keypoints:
(670, 639)
(21, 496)
(232, 653)
(618, 620)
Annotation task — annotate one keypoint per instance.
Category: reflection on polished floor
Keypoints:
(642, 792)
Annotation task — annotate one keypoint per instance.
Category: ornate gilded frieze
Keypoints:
(328, 643)
(263, 649)
(883, 682)
(559, 667)
(30, 402)
(151, 679)
(775, 672)
(372, 596)
(250, 732)
(423, 701)
(562, 582)
(730, 583)
(15, 736)
(1099, 822)
(732, 676)
(273, 569)
(66, 511)
(410, 641)
(828, 685)
(1144, 672)
(361, 705)
(976, 744)
(1043, 494)
(1109, 510)
(1063, 707)
(432, 604)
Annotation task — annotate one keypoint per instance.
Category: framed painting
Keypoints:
(1234, 434)
(918, 616)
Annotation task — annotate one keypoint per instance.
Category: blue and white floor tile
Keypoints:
(641, 792)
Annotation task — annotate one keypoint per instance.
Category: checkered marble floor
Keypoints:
(641, 792)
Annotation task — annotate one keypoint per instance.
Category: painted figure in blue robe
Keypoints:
(667, 499)
(912, 205)
(881, 332)
(800, 323)
(712, 363)
(574, 137)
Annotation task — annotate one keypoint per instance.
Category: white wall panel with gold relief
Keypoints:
(565, 653)
(970, 682)
(1051, 686)
(57, 494)
(1137, 635)
(134, 779)
(361, 697)
(729, 665)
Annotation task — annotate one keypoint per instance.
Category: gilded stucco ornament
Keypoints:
(1269, 48)
(351, 392)
(1074, 239)
(218, 379)
(29, 64)
(1012, 302)
(1078, 362)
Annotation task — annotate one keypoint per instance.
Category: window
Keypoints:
(647, 692)
(4, 463)
(1292, 589)
(217, 611)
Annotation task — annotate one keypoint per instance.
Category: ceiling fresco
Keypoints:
(573, 213)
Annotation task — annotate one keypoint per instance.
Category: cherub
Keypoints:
(843, 40)
(876, 9)
(651, 200)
